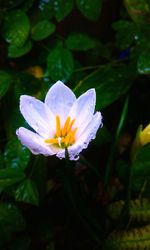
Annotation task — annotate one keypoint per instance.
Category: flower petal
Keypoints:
(88, 134)
(83, 109)
(34, 142)
(37, 115)
(59, 99)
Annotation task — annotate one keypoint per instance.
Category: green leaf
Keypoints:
(126, 33)
(9, 176)
(27, 192)
(5, 81)
(110, 83)
(16, 155)
(80, 41)
(144, 62)
(16, 28)
(62, 8)
(14, 51)
(60, 64)
(45, 10)
(42, 30)
(90, 8)
(57, 8)
(141, 169)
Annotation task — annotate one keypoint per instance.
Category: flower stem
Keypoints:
(119, 128)
(70, 187)
(89, 67)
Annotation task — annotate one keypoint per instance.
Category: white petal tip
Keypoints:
(92, 91)
(24, 97)
(59, 82)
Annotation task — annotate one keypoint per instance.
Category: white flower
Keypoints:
(60, 121)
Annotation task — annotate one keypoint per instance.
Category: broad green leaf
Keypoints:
(45, 10)
(126, 33)
(57, 8)
(77, 74)
(14, 51)
(90, 8)
(62, 8)
(16, 27)
(16, 155)
(60, 64)
(80, 41)
(27, 192)
(144, 62)
(42, 30)
(5, 81)
(110, 83)
(9, 176)
(141, 169)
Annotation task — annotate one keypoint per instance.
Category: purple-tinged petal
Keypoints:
(83, 109)
(33, 142)
(37, 115)
(88, 134)
(60, 99)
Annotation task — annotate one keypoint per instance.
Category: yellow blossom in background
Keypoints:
(144, 135)
(36, 71)
(141, 139)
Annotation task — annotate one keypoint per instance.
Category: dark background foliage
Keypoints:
(105, 45)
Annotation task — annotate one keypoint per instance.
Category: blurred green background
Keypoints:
(101, 44)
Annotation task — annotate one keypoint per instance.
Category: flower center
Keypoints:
(64, 136)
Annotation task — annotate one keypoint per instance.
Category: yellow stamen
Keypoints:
(70, 126)
(52, 141)
(67, 138)
(72, 139)
(64, 130)
(62, 140)
(58, 129)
